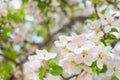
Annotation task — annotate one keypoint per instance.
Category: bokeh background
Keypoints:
(27, 25)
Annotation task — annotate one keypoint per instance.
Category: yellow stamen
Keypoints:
(78, 45)
(84, 53)
(115, 68)
(101, 55)
(67, 50)
(72, 63)
(97, 43)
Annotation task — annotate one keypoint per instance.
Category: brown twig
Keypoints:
(95, 7)
(71, 76)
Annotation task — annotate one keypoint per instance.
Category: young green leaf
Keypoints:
(104, 69)
(103, 41)
(114, 30)
(55, 69)
(42, 73)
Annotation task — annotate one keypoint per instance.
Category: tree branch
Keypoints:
(71, 76)
(95, 7)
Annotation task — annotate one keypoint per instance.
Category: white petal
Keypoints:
(57, 43)
(107, 29)
(77, 51)
(60, 43)
(39, 52)
(71, 46)
(50, 55)
(88, 60)
(99, 63)
(109, 72)
(33, 57)
(100, 33)
(78, 59)
(117, 74)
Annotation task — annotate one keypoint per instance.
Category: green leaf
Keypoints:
(95, 1)
(5, 32)
(42, 73)
(113, 14)
(111, 36)
(104, 69)
(24, 1)
(8, 67)
(114, 30)
(43, 5)
(114, 78)
(21, 11)
(10, 53)
(5, 70)
(93, 16)
(42, 32)
(17, 16)
(55, 69)
(96, 69)
(103, 11)
(103, 41)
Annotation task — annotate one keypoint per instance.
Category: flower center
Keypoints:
(97, 43)
(101, 55)
(68, 51)
(44, 54)
(84, 53)
(78, 45)
(115, 68)
(72, 63)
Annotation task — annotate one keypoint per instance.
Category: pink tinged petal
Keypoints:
(39, 52)
(117, 74)
(99, 63)
(71, 46)
(109, 72)
(88, 60)
(57, 43)
(32, 76)
(78, 59)
(107, 29)
(60, 43)
(50, 55)
(77, 51)
(85, 76)
(88, 45)
(80, 38)
(27, 68)
(100, 33)
(33, 57)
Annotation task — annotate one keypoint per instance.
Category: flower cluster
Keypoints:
(35, 62)
(91, 55)
(81, 52)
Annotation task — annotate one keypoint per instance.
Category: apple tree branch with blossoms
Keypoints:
(88, 56)
(87, 48)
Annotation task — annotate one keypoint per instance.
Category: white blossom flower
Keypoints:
(51, 77)
(63, 40)
(32, 76)
(85, 76)
(114, 68)
(44, 55)
(103, 56)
